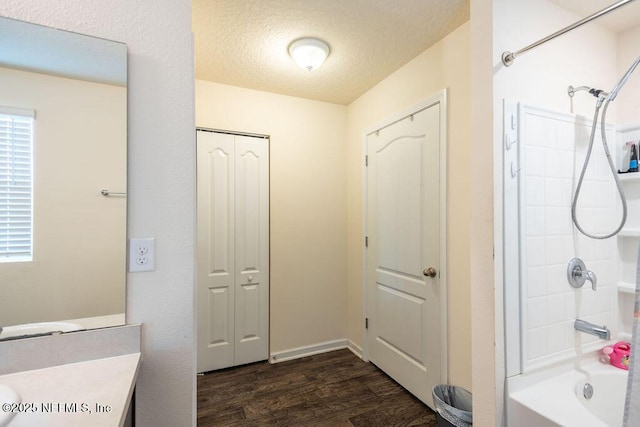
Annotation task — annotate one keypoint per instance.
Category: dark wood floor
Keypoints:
(330, 389)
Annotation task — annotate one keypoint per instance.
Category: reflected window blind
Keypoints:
(16, 178)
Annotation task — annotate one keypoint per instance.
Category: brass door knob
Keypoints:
(429, 272)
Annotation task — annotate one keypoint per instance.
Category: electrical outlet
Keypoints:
(142, 255)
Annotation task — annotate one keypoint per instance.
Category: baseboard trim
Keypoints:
(355, 349)
(309, 350)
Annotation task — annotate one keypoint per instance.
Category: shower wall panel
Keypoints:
(552, 149)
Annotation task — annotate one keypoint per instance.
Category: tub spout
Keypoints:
(601, 332)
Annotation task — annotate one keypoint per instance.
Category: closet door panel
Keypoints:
(252, 249)
(216, 250)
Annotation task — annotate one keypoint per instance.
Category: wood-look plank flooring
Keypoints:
(330, 389)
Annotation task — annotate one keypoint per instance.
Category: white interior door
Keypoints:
(403, 229)
(232, 250)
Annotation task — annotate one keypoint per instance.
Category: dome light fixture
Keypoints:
(309, 53)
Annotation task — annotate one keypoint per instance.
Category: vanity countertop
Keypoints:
(96, 393)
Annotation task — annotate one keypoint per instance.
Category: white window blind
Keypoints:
(16, 213)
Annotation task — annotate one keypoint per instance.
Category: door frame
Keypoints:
(441, 99)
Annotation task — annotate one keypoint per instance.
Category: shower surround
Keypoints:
(551, 150)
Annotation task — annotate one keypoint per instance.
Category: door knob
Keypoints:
(429, 272)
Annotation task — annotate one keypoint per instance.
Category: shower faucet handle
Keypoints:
(590, 276)
(577, 274)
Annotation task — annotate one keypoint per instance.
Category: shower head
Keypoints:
(623, 80)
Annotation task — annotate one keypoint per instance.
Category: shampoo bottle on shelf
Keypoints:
(633, 160)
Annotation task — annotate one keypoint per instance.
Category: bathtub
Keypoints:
(557, 398)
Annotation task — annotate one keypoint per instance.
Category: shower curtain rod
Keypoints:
(509, 57)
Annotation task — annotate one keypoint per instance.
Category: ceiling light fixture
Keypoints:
(309, 53)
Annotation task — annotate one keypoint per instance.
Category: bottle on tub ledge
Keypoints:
(631, 153)
(633, 160)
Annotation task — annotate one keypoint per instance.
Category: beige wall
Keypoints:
(445, 65)
(79, 147)
(487, 398)
(308, 205)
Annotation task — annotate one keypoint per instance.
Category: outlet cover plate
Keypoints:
(142, 255)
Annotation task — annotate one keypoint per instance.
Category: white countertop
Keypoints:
(95, 393)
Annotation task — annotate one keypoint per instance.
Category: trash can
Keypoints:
(453, 406)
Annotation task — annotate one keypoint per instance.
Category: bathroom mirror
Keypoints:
(63, 140)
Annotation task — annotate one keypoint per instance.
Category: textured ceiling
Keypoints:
(622, 19)
(244, 42)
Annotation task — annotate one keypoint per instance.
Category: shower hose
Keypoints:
(574, 204)
(606, 99)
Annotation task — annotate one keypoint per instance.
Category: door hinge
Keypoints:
(366, 323)
(366, 160)
(366, 241)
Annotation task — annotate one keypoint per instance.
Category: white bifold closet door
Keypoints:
(232, 249)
